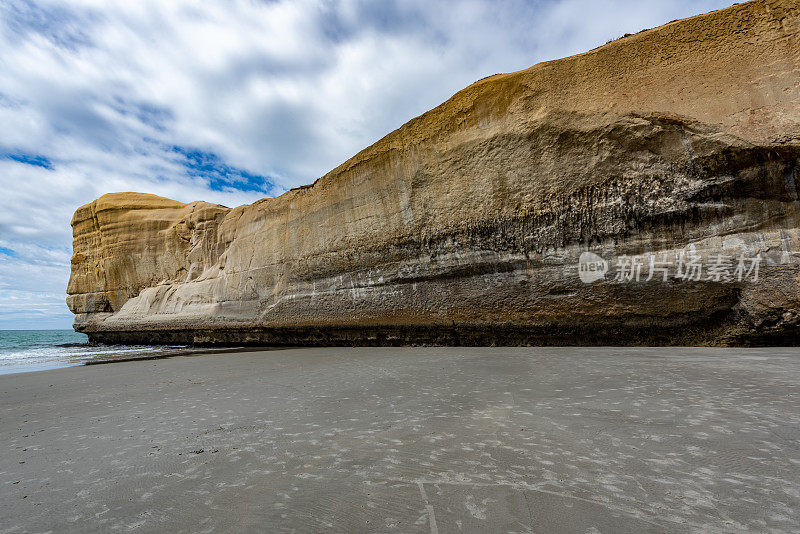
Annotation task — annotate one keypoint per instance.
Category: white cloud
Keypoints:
(288, 89)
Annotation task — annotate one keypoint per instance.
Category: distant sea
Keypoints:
(32, 350)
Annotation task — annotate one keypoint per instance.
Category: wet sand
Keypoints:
(407, 440)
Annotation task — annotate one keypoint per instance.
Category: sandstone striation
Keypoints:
(678, 145)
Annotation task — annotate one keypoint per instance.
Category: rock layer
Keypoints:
(465, 225)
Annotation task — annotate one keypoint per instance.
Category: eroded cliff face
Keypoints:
(678, 146)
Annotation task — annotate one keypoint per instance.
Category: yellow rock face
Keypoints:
(466, 224)
(125, 242)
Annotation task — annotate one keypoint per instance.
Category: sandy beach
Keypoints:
(407, 440)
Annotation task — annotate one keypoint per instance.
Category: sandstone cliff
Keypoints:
(678, 145)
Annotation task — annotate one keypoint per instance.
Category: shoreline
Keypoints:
(226, 350)
(34, 366)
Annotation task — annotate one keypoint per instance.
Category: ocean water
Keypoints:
(32, 350)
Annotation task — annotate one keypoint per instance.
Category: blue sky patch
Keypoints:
(36, 160)
(220, 175)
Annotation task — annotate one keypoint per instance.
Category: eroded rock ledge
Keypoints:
(465, 225)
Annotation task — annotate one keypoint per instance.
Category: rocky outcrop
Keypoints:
(663, 164)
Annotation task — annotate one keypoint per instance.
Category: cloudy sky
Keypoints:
(230, 101)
